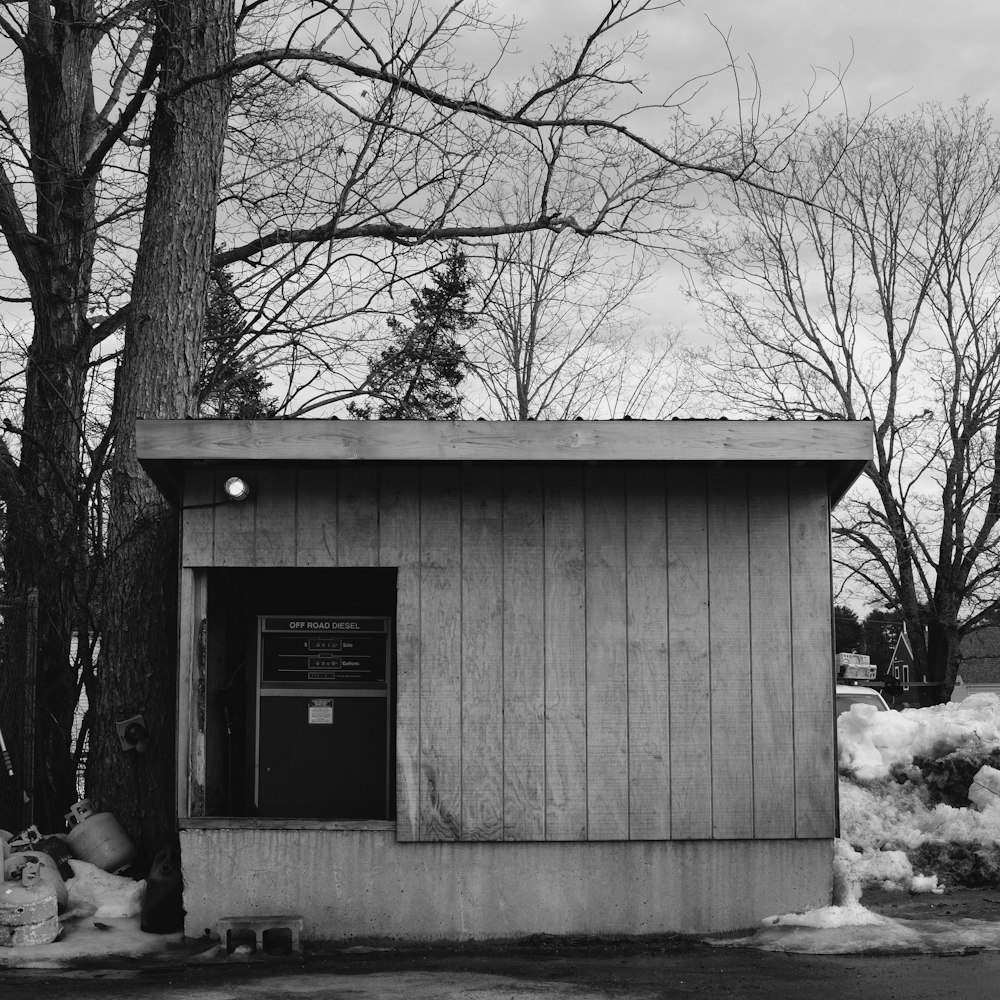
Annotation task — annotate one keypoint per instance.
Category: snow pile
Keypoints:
(102, 921)
(850, 869)
(841, 934)
(925, 781)
(984, 792)
(853, 870)
(873, 744)
(88, 941)
(919, 804)
(102, 895)
(899, 816)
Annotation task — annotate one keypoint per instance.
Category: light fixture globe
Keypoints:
(236, 488)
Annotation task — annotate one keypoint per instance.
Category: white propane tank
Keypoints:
(28, 910)
(98, 837)
(48, 870)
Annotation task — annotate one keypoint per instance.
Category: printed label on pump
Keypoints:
(321, 712)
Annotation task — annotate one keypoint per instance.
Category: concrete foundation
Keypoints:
(358, 883)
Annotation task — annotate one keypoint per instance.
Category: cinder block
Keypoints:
(259, 926)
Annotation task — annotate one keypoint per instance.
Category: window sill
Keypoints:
(272, 823)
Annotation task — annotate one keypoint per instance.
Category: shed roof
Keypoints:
(842, 447)
(981, 656)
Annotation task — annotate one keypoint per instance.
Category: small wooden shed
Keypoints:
(474, 679)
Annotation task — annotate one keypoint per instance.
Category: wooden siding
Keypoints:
(607, 655)
(729, 655)
(565, 643)
(771, 656)
(690, 667)
(399, 546)
(523, 655)
(809, 542)
(440, 774)
(648, 663)
(584, 652)
(482, 650)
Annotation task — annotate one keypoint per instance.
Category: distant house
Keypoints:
(980, 667)
(903, 683)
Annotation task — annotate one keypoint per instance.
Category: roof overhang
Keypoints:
(165, 447)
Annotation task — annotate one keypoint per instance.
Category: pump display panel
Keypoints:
(322, 652)
(322, 716)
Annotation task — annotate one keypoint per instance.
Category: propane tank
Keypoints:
(57, 849)
(29, 835)
(24, 841)
(48, 871)
(28, 910)
(97, 837)
(54, 846)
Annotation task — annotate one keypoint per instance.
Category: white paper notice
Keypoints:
(321, 713)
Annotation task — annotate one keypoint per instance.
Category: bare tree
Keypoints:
(560, 335)
(882, 302)
(322, 144)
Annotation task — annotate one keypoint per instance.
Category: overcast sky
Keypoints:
(896, 54)
(908, 50)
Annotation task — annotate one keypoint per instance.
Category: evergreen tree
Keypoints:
(417, 376)
(850, 633)
(228, 385)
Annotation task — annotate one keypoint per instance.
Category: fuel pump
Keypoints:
(322, 717)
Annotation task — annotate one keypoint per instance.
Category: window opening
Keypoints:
(300, 706)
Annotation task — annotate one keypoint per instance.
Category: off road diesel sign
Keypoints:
(319, 651)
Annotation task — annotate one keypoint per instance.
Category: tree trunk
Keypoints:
(47, 520)
(157, 377)
(944, 647)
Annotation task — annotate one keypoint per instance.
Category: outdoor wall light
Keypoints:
(236, 488)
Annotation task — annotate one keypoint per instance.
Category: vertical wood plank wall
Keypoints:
(584, 652)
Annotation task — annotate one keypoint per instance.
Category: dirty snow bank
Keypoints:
(906, 781)
(919, 811)
(873, 744)
(102, 921)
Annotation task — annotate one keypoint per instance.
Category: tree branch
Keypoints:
(393, 232)
(22, 242)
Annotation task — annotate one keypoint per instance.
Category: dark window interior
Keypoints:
(343, 770)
